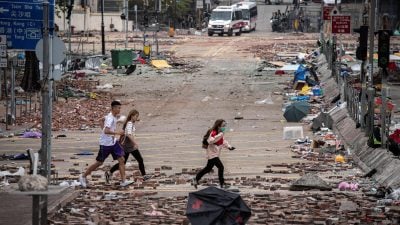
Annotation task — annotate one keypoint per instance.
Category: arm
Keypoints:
(216, 138)
(108, 131)
(226, 145)
(129, 133)
(132, 139)
(107, 124)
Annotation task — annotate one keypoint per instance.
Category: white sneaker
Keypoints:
(83, 181)
(126, 183)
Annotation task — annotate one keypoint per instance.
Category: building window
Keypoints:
(111, 5)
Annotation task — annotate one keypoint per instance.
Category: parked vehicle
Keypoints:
(249, 13)
(225, 20)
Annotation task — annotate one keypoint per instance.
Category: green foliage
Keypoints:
(61, 7)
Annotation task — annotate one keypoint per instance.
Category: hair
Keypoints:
(115, 103)
(218, 123)
(131, 114)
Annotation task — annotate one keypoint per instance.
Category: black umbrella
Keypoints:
(213, 206)
(296, 111)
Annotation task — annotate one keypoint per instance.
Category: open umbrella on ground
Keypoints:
(213, 206)
(296, 111)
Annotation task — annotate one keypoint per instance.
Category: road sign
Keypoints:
(22, 22)
(341, 24)
(327, 12)
(58, 50)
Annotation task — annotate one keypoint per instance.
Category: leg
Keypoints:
(205, 170)
(116, 166)
(220, 167)
(139, 159)
(92, 168)
(122, 168)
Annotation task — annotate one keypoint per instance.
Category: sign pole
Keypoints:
(103, 44)
(13, 106)
(136, 24)
(39, 213)
(370, 110)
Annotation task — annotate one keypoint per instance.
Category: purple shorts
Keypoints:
(116, 151)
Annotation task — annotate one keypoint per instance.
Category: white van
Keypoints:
(225, 20)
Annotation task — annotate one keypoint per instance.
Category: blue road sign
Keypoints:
(22, 22)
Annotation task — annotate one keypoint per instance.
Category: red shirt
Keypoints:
(220, 141)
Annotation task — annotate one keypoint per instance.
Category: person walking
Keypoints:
(109, 145)
(216, 141)
(129, 145)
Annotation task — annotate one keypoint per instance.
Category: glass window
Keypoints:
(111, 5)
(221, 15)
(246, 14)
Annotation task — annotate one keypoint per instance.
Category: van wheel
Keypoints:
(210, 34)
(239, 33)
(220, 35)
(230, 32)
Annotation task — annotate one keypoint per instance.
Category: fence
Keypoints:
(358, 98)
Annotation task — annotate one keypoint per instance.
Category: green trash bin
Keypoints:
(121, 57)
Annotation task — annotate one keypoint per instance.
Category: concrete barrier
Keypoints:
(367, 158)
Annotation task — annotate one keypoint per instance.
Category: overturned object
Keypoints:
(32, 183)
(308, 182)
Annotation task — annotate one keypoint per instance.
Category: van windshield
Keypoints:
(221, 15)
(246, 14)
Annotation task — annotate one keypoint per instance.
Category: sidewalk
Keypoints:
(17, 209)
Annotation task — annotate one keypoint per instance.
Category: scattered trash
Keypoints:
(292, 133)
(61, 136)
(339, 159)
(32, 183)
(106, 86)
(20, 172)
(154, 212)
(296, 111)
(32, 134)
(309, 182)
(345, 186)
(265, 101)
(395, 195)
(85, 153)
(73, 183)
(160, 64)
(205, 99)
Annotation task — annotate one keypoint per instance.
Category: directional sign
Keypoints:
(341, 24)
(22, 22)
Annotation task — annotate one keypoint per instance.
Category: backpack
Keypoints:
(205, 138)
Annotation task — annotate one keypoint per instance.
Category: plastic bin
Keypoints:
(292, 133)
(121, 57)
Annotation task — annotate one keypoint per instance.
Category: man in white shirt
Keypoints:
(109, 145)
